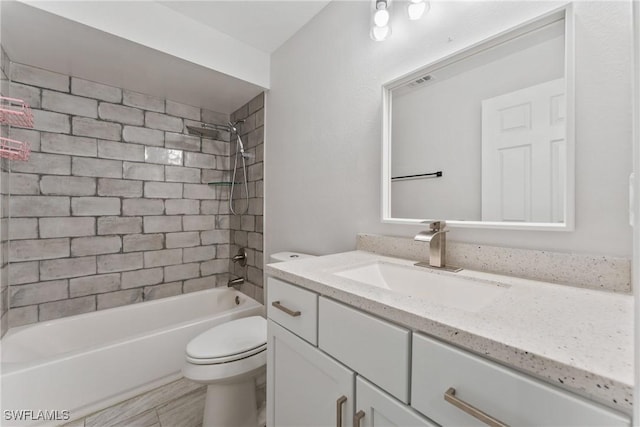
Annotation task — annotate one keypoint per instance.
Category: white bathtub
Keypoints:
(91, 361)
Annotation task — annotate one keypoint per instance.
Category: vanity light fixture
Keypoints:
(417, 8)
(380, 28)
(381, 14)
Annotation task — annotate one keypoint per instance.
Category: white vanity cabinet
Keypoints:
(329, 364)
(451, 386)
(311, 386)
(305, 387)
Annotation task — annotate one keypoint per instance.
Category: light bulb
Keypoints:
(380, 33)
(417, 8)
(381, 17)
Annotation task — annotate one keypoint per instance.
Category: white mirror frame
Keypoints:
(564, 12)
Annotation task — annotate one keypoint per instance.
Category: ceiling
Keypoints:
(93, 51)
(263, 24)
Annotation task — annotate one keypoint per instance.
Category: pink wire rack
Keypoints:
(14, 150)
(15, 112)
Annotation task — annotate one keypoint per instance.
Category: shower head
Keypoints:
(203, 131)
(233, 125)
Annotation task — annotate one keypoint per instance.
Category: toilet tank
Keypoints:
(288, 256)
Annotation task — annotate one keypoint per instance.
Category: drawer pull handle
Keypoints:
(450, 396)
(290, 312)
(357, 417)
(339, 404)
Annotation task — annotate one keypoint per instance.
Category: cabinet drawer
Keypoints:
(375, 349)
(294, 308)
(510, 397)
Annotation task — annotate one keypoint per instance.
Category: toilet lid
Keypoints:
(236, 337)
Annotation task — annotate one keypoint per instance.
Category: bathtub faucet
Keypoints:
(235, 282)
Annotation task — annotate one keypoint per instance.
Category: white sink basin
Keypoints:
(444, 289)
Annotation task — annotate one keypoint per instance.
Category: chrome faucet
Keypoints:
(436, 237)
(235, 282)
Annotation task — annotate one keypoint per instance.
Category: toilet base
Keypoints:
(231, 405)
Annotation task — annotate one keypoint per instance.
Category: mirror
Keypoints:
(484, 137)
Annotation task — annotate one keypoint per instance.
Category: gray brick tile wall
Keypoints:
(119, 151)
(142, 207)
(143, 172)
(181, 207)
(119, 262)
(182, 141)
(184, 239)
(37, 206)
(138, 278)
(66, 185)
(246, 231)
(182, 110)
(113, 207)
(181, 272)
(119, 225)
(24, 272)
(39, 163)
(162, 291)
(23, 228)
(64, 308)
(142, 242)
(26, 135)
(67, 267)
(163, 122)
(162, 224)
(24, 184)
(162, 190)
(119, 188)
(94, 206)
(39, 77)
(35, 293)
(198, 222)
(31, 95)
(180, 174)
(140, 100)
(101, 245)
(200, 253)
(96, 128)
(66, 227)
(121, 114)
(162, 258)
(69, 104)
(95, 90)
(91, 285)
(145, 136)
(119, 298)
(96, 167)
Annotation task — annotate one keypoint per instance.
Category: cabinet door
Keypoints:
(305, 386)
(382, 410)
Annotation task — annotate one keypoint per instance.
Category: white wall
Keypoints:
(323, 136)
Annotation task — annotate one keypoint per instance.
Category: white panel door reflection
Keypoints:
(524, 160)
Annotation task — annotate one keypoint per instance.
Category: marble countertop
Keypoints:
(578, 339)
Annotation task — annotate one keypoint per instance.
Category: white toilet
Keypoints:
(228, 358)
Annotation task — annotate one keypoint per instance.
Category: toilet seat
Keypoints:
(228, 342)
(226, 359)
